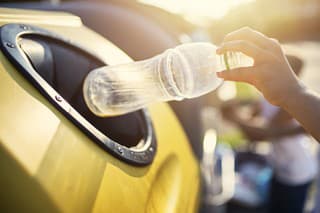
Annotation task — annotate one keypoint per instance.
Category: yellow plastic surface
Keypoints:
(48, 165)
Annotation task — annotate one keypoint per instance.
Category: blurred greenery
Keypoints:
(246, 91)
(235, 139)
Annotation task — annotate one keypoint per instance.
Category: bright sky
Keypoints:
(197, 10)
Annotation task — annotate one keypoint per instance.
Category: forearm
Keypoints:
(304, 106)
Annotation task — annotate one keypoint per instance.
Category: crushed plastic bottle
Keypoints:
(187, 71)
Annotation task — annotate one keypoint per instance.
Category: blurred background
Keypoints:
(288, 20)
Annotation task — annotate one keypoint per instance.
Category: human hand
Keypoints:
(271, 73)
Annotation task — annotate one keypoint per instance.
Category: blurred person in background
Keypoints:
(291, 157)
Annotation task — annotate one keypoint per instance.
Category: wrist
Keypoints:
(293, 94)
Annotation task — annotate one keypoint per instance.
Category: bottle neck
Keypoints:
(232, 60)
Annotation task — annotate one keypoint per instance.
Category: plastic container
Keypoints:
(187, 71)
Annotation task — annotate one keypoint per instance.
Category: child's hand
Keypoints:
(271, 73)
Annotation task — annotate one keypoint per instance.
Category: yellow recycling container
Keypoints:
(54, 155)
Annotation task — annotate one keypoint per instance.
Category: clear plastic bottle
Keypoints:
(187, 71)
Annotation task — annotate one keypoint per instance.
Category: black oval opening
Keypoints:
(64, 68)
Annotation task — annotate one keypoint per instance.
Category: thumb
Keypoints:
(243, 74)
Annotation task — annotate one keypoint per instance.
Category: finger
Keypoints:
(242, 46)
(243, 74)
(248, 34)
